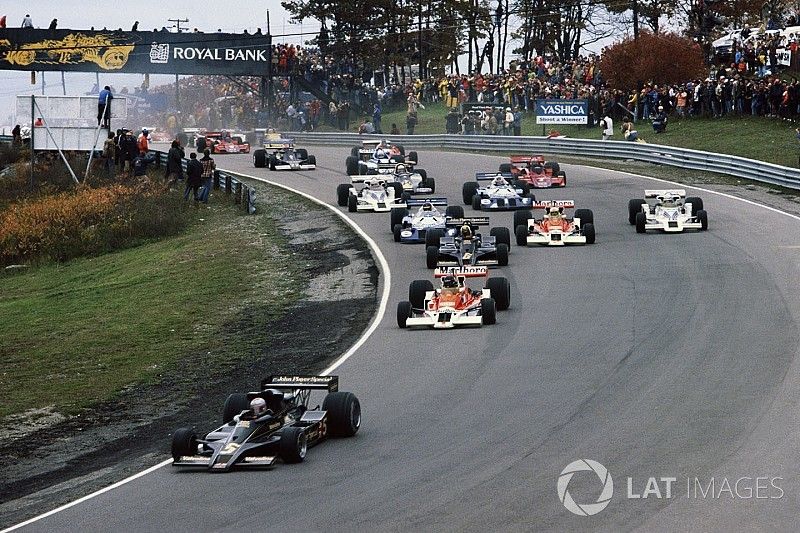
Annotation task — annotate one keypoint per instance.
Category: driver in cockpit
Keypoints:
(499, 181)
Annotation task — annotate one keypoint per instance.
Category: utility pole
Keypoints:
(177, 25)
(268, 84)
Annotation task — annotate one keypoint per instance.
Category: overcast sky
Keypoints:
(233, 17)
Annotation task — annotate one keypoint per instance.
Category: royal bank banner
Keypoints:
(138, 52)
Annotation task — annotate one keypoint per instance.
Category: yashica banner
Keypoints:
(557, 111)
(159, 52)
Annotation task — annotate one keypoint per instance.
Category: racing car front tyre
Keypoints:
(522, 235)
(412, 156)
(501, 235)
(396, 231)
(505, 168)
(403, 313)
(585, 215)
(526, 189)
(432, 237)
(422, 172)
(293, 445)
(430, 183)
(354, 151)
(397, 216)
(234, 404)
(398, 189)
(352, 166)
(588, 232)
(417, 290)
(401, 149)
(500, 292)
(184, 442)
(431, 256)
(272, 162)
(352, 203)
(260, 158)
(555, 167)
(476, 202)
(634, 206)
(697, 204)
(454, 211)
(641, 220)
(302, 154)
(468, 190)
(521, 218)
(312, 160)
(702, 216)
(344, 413)
(502, 254)
(488, 311)
(342, 193)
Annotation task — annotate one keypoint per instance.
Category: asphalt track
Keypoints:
(656, 355)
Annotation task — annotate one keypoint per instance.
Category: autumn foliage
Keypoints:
(661, 59)
(87, 221)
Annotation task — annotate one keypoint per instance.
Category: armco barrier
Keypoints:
(243, 194)
(730, 165)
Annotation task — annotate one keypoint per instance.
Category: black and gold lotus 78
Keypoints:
(284, 429)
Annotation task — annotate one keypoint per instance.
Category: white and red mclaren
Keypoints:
(453, 303)
(555, 228)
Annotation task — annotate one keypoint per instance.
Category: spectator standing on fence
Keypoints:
(194, 177)
(53, 24)
(209, 166)
(174, 164)
(16, 135)
(104, 107)
(27, 22)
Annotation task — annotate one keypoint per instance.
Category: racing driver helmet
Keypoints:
(400, 168)
(466, 232)
(259, 406)
(427, 206)
(449, 282)
(498, 181)
(554, 214)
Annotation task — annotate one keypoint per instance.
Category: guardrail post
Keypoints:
(228, 184)
(238, 198)
(216, 180)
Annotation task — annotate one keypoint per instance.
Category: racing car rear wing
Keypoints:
(329, 383)
(653, 193)
(545, 204)
(472, 221)
(464, 271)
(488, 176)
(361, 178)
(418, 202)
(527, 159)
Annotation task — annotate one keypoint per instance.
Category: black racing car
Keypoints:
(285, 428)
(460, 244)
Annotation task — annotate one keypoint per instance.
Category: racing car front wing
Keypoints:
(445, 320)
(294, 166)
(556, 238)
(672, 226)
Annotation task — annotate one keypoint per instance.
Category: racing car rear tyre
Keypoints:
(293, 445)
(585, 215)
(505, 168)
(413, 157)
(697, 204)
(476, 203)
(352, 166)
(488, 311)
(526, 189)
(342, 193)
(588, 232)
(521, 232)
(397, 216)
(260, 158)
(234, 404)
(430, 183)
(501, 235)
(184, 442)
(431, 256)
(521, 218)
(468, 190)
(401, 149)
(554, 166)
(634, 206)
(417, 290)
(403, 313)
(398, 189)
(272, 162)
(422, 172)
(344, 413)
(641, 220)
(397, 159)
(396, 231)
(702, 216)
(502, 254)
(354, 151)
(312, 160)
(432, 237)
(454, 211)
(302, 154)
(500, 291)
(352, 203)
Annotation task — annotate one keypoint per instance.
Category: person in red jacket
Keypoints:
(142, 142)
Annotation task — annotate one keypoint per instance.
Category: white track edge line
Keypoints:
(387, 281)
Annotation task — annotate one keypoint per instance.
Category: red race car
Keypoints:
(220, 142)
(535, 171)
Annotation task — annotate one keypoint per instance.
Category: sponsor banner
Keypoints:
(137, 52)
(784, 57)
(562, 112)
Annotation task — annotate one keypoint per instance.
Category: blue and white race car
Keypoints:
(493, 191)
(378, 157)
(374, 194)
(413, 227)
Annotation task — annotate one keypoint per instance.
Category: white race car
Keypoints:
(375, 195)
(378, 157)
(453, 303)
(413, 227)
(670, 211)
(494, 191)
(555, 229)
